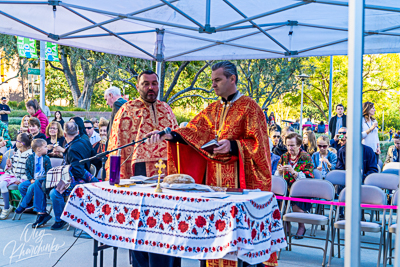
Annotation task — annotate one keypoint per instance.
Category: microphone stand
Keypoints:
(103, 158)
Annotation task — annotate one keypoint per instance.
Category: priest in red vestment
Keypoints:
(242, 159)
(134, 120)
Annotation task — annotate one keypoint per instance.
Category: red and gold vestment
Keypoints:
(132, 122)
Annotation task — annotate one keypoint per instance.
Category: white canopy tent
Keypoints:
(223, 30)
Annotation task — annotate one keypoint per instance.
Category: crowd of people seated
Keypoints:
(38, 141)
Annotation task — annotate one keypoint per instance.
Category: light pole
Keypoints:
(302, 77)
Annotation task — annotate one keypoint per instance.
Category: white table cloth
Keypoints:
(182, 224)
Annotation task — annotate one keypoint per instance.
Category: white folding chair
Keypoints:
(369, 195)
(310, 188)
(317, 174)
(391, 165)
(391, 230)
(279, 187)
(93, 169)
(55, 162)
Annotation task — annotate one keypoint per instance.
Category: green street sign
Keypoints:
(34, 71)
(52, 52)
(26, 47)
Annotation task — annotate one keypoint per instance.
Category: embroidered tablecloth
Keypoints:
(182, 224)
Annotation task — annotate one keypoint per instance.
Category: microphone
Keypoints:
(166, 131)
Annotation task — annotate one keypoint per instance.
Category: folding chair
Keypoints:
(317, 174)
(93, 169)
(391, 230)
(391, 165)
(55, 162)
(279, 187)
(369, 195)
(310, 188)
(380, 165)
(384, 181)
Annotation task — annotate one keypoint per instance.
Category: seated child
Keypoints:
(15, 170)
(37, 166)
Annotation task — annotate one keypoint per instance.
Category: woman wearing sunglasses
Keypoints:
(324, 160)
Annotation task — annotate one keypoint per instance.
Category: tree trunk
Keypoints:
(70, 74)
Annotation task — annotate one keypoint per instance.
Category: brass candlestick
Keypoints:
(160, 165)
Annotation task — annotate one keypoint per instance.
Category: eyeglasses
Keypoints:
(20, 142)
(275, 136)
(322, 146)
(396, 136)
(88, 128)
(53, 128)
(342, 132)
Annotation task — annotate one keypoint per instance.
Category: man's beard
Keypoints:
(146, 98)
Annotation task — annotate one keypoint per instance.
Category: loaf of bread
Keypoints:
(179, 179)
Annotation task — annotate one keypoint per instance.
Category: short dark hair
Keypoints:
(229, 69)
(299, 140)
(88, 121)
(34, 121)
(26, 139)
(339, 105)
(148, 72)
(36, 143)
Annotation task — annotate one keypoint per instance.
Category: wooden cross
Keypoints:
(160, 165)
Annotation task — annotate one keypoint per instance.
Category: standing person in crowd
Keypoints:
(390, 134)
(101, 145)
(94, 137)
(310, 142)
(266, 115)
(15, 170)
(37, 166)
(34, 127)
(369, 133)
(393, 154)
(58, 118)
(33, 108)
(77, 149)
(337, 121)
(113, 98)
(296, 164)
(321, 127)
(24, 124)
(369, 159)
(324, 160)
(4, 110)
(95, 122)
(296, 125)
(337, 141)
(271, 119)
(81, 127)
(56, 138)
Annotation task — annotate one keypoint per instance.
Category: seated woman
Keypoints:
(393, 154)
(56, 138)
(309, 142)
(324, 160)
(15, 170)
(35, 128)
(24, 124)
(321, 127)
(296, 164)
(100, 146)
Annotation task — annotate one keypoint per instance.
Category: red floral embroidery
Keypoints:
(253, 233)
(234, 211)
(106, 209)
(151, 222)
(177, 216)
(200, 221)
(212, 217)
(110, 220)
(90, 208)
(220, 225)
(97, 203)
(126, 209)
(167, 218)
(120, 218)
(161, 226)
(276, 215)
(79, 192)
(194, 231)
(262, 226)
(183, 226)
(135, 214)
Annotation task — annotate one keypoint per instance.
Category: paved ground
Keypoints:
(20, 246)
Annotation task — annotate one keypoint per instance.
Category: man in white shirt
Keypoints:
(94, 137)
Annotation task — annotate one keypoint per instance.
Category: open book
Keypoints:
(209, 147)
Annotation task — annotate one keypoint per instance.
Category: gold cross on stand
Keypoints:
(160, 165)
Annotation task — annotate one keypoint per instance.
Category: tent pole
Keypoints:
(159, 55)
(353, 144)
(301, 107)
(330, 91)
(42, 73)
